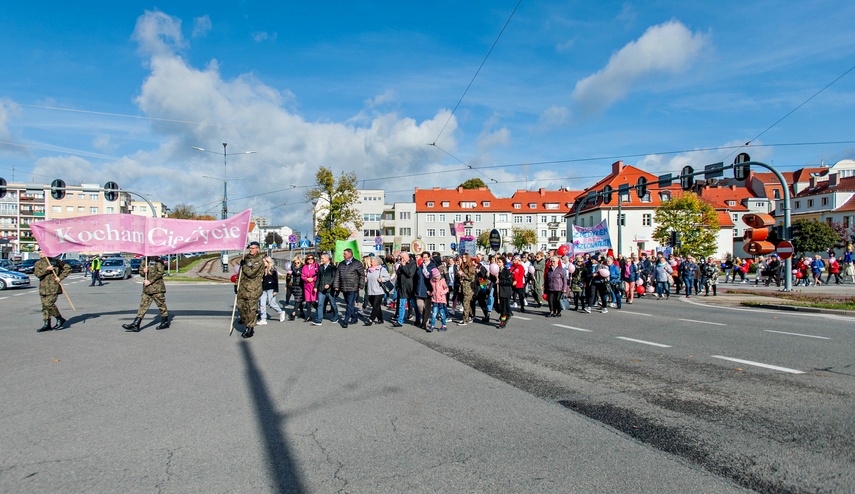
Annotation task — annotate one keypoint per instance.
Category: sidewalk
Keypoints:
(737, 294)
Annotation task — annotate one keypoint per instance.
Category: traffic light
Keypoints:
(111, 191)
(2, 188)
(641, 187)
(796, 230)
(757, 237)
(57, 189)
(686, 178)
(675, 239)
(607, 194)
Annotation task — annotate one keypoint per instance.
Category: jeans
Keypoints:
(690, 283)
(267, 298)
(350, 307)
(322, 298)
(662, 288)
(403, 304)
(442, 311)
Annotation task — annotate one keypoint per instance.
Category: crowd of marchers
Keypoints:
(432, 291)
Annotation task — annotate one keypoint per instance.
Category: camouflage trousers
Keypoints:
(248, 310)
(49, 306)
(145, 303)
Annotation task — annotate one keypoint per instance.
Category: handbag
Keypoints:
(565, 303)
(387, 286)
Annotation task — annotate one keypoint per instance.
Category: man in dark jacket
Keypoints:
(349, 279)
(405, 285)
(326, 281)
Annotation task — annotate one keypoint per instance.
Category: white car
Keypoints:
(12, 279)
(116, 268)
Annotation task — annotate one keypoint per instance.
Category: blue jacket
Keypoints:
(423, 282)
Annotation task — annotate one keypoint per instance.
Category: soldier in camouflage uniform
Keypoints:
(154, 289)
(249, 291)
(467, 280)
(50, 272)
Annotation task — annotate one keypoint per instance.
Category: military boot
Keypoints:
(133, 327)
(248, 333)
(60, 322)
(164, 322)
(46, 327)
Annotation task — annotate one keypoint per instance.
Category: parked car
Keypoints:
(7, 264)
(135, 263)
(117, 268)
(12, 279)
(76, 266)
(27, 266)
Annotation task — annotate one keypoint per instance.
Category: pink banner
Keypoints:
(140, 234)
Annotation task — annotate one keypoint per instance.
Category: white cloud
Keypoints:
(667, 48)
(259, 36)
(555, 116)
(158, 34)
(8, 108)
(660, 163)
(201, 26)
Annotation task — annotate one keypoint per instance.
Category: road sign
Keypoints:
(785, 249)
(304, 244)
(293, 245)
(317, 240)
(378, 247)
(292, 238)
(378, 240)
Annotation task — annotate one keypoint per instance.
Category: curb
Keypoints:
(797, 308)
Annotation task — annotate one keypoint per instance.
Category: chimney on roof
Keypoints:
(833, 179)
(459, 190)
(732, 187)
(542, 191)
(617, 167)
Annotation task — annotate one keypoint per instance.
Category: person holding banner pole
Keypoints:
(249, 288)
(154, 289)
(50, 286)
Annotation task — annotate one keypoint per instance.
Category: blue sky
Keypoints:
(122, 91)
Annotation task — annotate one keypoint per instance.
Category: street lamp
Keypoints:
(225, 190)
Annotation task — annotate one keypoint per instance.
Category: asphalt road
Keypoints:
(541, 406)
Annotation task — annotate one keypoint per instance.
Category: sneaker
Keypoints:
(262, 322)
(612, 305)
(443, 328)
(462, 323)
(587, 310)
(282, 316)
(604, 310)
(336, 319)
(316, 323)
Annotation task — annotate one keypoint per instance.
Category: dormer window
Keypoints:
(532, 205)
(517, 205)
(468, 204)
(551, 205)
(731, 203)
(486, 204)
(445, 204)
(664, 196)
(430, 204)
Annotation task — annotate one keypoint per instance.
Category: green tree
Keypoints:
(338, 211)
(273, 238)
(815, 236)
(483, 240)
(183, 212)
(473, 183)
(522, 238)
(694, 218)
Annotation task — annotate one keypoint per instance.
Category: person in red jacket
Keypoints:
(518, 274)
(833, 269)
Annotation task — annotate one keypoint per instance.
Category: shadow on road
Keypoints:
(269, 420)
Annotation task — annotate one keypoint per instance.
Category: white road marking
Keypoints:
(642, 341)
(703, 322)
(521, 317)
(635, 313)
(571, 327)
(3, 298)
(758, 364)
(798, 334)
(768, 311)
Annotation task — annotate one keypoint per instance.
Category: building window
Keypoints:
(776, 194)
(430, 218)
(478, 232)
(442, 218)
(81, 196)
(468, 204)
(517, 205)
(563, 233)
(445, 204)
(846, 222)
(93, 197)
(797, 206)
(647, 198)
(503, 232)
(370, 234)
(825, 201)
(532, 205)
(646, 219)
(403, 215)
(93, 210)
(458, 218)
(431, 232)
(810, 203)
(431, 247)
(406, 232)
(371, 217)
(56, 209)
(736, 233)
(734, 217)
(503, 217)
(731, 203)
(477, 217)
(442, 232)
(529, 219)
(430, 204)
(69, 209)
(518, 219)
(551, 205)
(554, 219)
(663, 196)
(486, 204)
(442, 247)
(543, 233)
(81, 209)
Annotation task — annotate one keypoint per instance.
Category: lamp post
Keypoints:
(225, 213)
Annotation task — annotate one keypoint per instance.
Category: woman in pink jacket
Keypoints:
(440, 290)
(309, 276)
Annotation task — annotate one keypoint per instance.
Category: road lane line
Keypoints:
(798, 334)
(571, 327)
(703, 322)
(635, 313)
(3, 298)
(643, 342)
(522, 318)
(758, 364)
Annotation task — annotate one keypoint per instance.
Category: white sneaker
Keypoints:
(282, 316)
(604, 311)
(587, 310)
(612, 305)
(262, 322)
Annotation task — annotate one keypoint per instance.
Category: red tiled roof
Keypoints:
(848, 205)
(718, 197)
(454, 197)
(541, 197)
(846, 184)
(627, 174)
(724, 220)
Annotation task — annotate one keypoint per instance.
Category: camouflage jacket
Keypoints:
(48, 285)
(251, 276)
(155, 277)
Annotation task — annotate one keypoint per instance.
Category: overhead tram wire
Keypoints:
(476, 74)
(463, 163)
(124, 115)
(803, 103)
